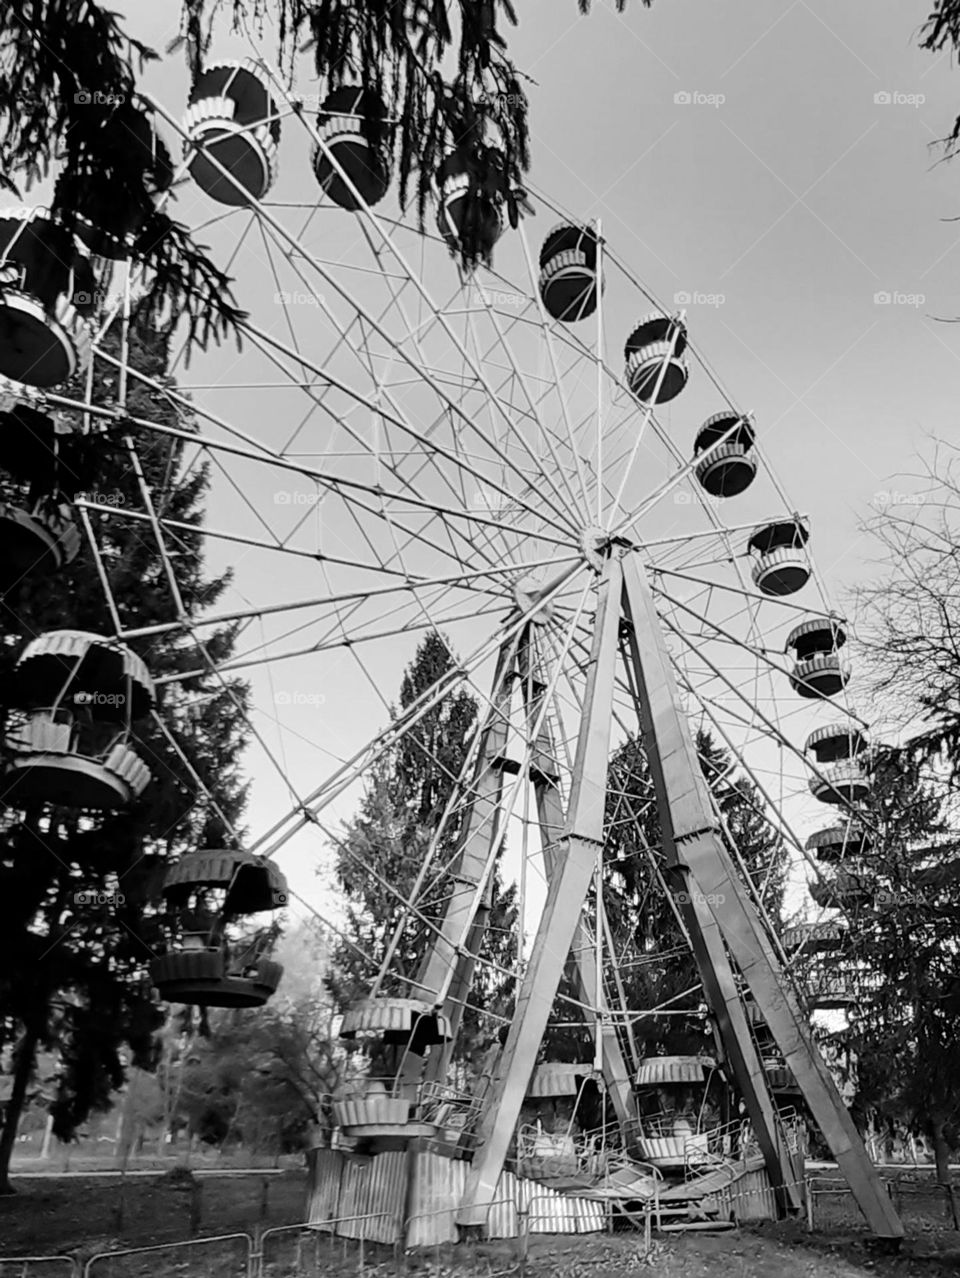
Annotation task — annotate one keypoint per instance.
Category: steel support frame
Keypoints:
(724, 911)
(583, 964)
(567, 889)
(447, 971)
(725, 928)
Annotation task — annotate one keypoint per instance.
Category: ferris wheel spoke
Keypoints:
(561, 525)
(333, 283)
(746, 717)
(391, 248)
(364, 758)
(542, 431)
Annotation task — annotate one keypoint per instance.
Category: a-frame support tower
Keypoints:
(725, 929)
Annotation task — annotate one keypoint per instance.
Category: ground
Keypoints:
(79, 1215)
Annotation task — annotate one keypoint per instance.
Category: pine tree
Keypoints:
(73, 975)
(70, 71)
(656, 964)
(405, 800)
(903, 960)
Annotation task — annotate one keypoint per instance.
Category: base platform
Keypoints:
(410, 1197)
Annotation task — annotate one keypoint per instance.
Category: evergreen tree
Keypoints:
(902, 959)
(405, 800)
(655, 962)
(73, 974)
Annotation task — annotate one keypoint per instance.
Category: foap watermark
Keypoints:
(491, 297)
(505, 100)
(83, 297)
(897, 897)
(99, 698)
(886, 498)
(683, 298)
(299, 699)
(699, 898)
(286, 497)
(896, 98)
(88, 896)
(95, 98)
(883, 298)
(681, 497)
(493, 504)
(693, 97)
(101, 497)
(284, 298)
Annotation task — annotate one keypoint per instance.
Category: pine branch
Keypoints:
(68, 77)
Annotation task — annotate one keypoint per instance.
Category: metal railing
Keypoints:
(328, 1243)
(37, 1266)
(104, 1259)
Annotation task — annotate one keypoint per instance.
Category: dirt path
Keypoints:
(769, 1252)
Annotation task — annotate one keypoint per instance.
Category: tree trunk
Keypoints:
(24, 1057)
(941, 1151)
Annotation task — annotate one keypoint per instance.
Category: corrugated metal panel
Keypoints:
(591, 1216)
(512, 1192)
(752, 1197)
(435, 1194)
(324, 1170)
(551, 1212)
(373, 1192)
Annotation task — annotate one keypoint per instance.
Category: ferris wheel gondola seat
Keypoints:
(35, 543)
(39, 347)
(559, 1078)
(47, 766)
(406, 1021)
(250, 883)
(781, 565)
(372, 1111)
(77, 667)
(823, 675)
(836, 742)
(366, 165)
(43, 338)
(842, 890)
(815, 938)
(454, 207)
(780, 1078)
(656, 346)
(724, 447)
(780, 572)
(818, 635)
(670, 1153)
(663, 1071)
(202, 978)
(568, 272)
(838, 842)
(726, 470)
(829, 990)
(232, 119)
(846, 782)
(109, 225)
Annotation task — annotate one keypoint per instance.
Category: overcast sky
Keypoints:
(772, 167)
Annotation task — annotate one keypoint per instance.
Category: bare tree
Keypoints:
(909, 615)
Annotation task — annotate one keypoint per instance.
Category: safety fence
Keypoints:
(921, 1205)
(344, 1245)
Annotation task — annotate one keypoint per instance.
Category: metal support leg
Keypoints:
(449, 963)
(726, 912)
(616, 1073)
(566, 894)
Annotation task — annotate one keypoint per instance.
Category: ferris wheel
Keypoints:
(534, 460)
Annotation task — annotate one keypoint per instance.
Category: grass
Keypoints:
(80, 1216)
